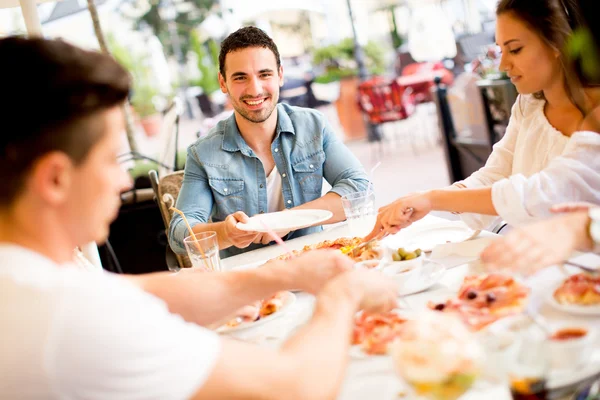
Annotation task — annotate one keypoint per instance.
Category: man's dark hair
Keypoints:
(249, 36)
(51, 91)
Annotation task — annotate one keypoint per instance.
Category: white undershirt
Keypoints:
(535, 166)
(71, 334)
(274, 191)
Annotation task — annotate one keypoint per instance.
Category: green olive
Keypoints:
(418, 252)
(401, 252)
(410, 256)
(396, 257)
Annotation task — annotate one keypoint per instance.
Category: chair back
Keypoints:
(385, 100)
(169, 133)
(169, 184)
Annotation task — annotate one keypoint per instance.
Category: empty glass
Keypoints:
(203, 250)
(360, 211)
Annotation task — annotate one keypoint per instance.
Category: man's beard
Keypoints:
(257, 116)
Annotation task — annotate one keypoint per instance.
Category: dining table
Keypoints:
(374, 377)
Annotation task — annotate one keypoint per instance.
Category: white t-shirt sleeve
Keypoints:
(574, 176)
(111, 340)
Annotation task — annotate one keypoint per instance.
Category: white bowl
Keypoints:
(572, 353)
(369, 264)
(391, 267)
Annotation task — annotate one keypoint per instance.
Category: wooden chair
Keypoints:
(169, 185)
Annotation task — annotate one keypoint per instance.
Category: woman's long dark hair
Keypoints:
(554, 21)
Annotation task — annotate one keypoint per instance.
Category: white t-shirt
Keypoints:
(70, 334)
(274, 191)
(535, 166)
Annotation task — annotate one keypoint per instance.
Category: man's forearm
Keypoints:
(331, 202)
(464, 200)
(323, 343)
(209, 297)
(310, 365)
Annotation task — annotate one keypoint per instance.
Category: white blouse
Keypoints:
(534, 166)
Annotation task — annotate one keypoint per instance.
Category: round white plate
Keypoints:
(426, 237)
(288, 300)
(419, 279)
(571, 309)
(283, 221)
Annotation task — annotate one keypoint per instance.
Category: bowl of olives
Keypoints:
(401, 260)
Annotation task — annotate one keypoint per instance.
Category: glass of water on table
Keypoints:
(203, 250)
(360, 211)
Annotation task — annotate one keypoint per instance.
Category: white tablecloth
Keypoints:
(374, 377)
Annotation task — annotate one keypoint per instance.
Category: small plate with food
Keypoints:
(259, 313)
(578, 294)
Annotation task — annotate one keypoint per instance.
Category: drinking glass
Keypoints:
(359, 208)
(203, 250)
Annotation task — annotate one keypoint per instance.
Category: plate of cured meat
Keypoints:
(374, 332)
(485, 299)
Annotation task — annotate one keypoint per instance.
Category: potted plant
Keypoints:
(142, 102)
(340, 72)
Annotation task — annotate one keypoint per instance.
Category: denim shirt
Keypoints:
(223, 175)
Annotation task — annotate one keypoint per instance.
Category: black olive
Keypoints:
(490, 297)
(440, 307)
(471, 294)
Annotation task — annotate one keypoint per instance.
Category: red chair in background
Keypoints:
(420, 78)
(383, 101)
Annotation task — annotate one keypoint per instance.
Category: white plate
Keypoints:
(426, 237)
(288, 300)
(283, 221)
(571, 309)
(419, 279)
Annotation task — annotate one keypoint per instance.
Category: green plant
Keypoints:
(143, 92)
(582, 50)
(142, 100)
(187, 19)
(207, 63)
(337, 60)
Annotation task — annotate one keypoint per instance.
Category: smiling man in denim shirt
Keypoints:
(266, 157)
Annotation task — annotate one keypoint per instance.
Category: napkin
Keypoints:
(455, 254)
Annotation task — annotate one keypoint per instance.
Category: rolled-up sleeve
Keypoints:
(574, 176)
(341, 170)
(195, 200)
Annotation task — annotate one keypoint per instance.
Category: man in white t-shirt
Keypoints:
(69, 334)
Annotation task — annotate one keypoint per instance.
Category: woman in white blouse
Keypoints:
(545, 157)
